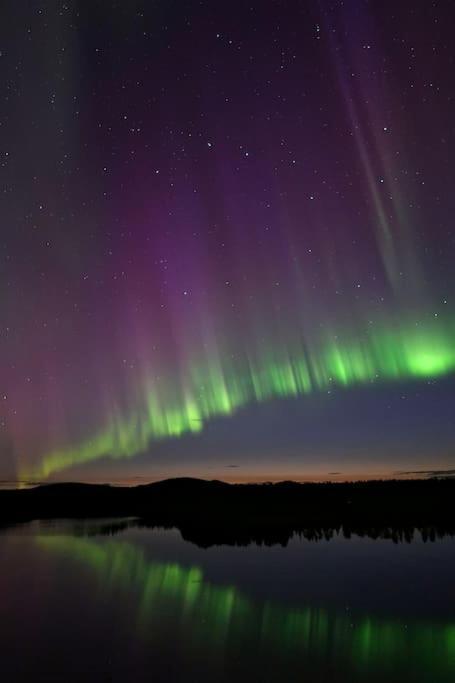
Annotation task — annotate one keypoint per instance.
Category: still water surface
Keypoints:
(80, 603)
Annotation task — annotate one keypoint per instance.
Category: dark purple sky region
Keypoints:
(199, 198)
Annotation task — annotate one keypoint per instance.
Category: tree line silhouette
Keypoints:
(212, 512)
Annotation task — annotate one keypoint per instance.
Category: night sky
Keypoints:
(226, 241)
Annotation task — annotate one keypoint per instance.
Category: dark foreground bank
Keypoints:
(209, 512)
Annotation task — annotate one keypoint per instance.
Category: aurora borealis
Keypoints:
(226, 240)
(213, 391)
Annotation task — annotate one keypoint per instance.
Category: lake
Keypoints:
(104, 601)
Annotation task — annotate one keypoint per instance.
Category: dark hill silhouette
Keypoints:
(208, 512)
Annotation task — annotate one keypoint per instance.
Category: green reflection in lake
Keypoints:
(218, 616)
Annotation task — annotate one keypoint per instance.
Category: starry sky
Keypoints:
(226, 239)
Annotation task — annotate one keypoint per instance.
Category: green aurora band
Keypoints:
(221, 617)
(217, 387)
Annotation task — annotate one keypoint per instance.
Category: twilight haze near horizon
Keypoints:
(227, 240)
